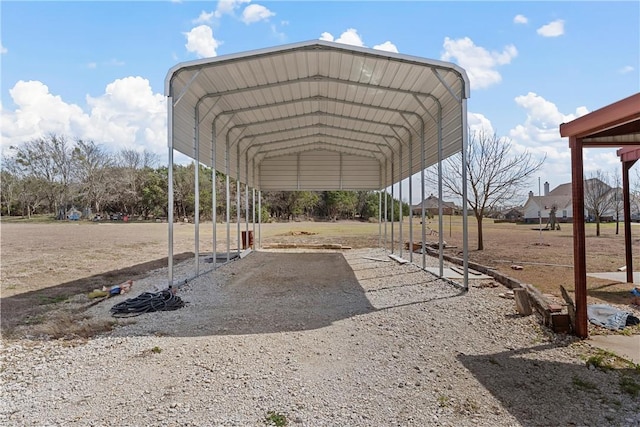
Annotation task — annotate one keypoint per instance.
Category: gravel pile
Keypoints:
(315, 339)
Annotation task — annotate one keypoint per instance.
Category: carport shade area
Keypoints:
(617, 126)
(315, 116)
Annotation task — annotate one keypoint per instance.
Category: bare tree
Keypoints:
(9, 183)
(132, 164)
(495, 175)
(598, 197)
(92, 165)
(635, 193)
(49, 159)
(618, 200)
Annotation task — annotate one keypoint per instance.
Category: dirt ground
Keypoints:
(45, 263)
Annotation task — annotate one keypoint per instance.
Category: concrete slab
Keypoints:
(627, 347)
(450, 274)
(618, 276)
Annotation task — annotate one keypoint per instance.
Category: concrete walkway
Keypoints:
(618, 276)
(627, 347)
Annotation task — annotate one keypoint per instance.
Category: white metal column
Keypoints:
(400, 217)
(465, 222)
(196, 189)
(214, 197)
(170, 189)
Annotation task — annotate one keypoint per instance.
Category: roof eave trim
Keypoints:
(173, 71)
(612, 115)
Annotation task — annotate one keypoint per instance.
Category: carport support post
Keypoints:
(260, 218)
(196, 189)
(379, 219)
(246, 198)
(238, 225)
(253, 204)
(440, 212)
(170, 189)
(424, 223)
(579, 250)
(392, 196)
(410, 198)
(400, 202)
(385, 204)
(465, 218)
(228, 205)
(214, 201)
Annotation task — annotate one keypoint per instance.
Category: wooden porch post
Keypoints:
(579, 252)
(626, 165)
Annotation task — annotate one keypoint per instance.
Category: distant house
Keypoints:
(560, 197)
(511, 214)
(431, 206)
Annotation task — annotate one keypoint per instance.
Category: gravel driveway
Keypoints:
(315, 339)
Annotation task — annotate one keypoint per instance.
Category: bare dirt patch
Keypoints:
(44, 265)
(547, 256)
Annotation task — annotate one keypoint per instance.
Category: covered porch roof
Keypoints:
(615, 125)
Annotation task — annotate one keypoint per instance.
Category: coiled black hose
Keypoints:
(147, 302)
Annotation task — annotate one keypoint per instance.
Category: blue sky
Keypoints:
(96, 70)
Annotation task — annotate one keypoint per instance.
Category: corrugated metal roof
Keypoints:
(312, 97)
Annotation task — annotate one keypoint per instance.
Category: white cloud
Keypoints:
(3, 49)
(278, 34)
(204, 18)
(256, 13)
(386, 46)
(479, 63)
(326, 37)
(540, 134)
(520, 19)
(113, 62)
(552, 29)
(479, 123)
(350, 37)
(543, 119)
(626, 69)
(92, 65)
(38, 112)
(127, 115)
(201, 42)
(228, 7)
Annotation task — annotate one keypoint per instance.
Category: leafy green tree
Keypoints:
(305, 202)
(340, 204)
(367, 204)
(154, 192)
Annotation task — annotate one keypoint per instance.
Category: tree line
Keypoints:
(52, 174)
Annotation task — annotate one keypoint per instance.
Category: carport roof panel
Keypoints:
(268, 94)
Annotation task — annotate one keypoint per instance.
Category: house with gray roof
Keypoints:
(559, 198)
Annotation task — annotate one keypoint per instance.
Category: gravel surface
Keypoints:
(316, 339)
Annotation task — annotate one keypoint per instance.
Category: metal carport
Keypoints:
(316, 116)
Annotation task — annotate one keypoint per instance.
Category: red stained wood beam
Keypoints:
(579, 247)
